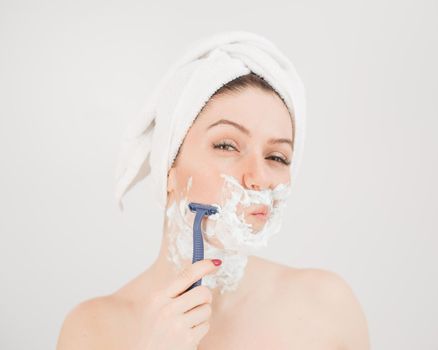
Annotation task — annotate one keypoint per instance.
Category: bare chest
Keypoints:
(269, 325)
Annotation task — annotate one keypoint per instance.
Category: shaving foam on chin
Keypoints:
(237, 237)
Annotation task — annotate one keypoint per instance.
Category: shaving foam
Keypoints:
(237, 239)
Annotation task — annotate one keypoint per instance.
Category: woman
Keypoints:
(257, 303)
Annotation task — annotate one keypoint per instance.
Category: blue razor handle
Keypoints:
(198, 242)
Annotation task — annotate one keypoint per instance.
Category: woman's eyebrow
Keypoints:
(229, 122)
(274, 141)
(247, 132)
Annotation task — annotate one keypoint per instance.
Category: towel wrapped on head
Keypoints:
(151, 142)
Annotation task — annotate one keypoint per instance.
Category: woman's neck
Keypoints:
(163, 271)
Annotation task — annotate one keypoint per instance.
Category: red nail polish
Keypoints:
(217, 262)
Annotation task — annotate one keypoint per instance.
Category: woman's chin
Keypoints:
(256, 229)
(257, 223)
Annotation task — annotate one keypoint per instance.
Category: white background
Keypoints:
(72, 74)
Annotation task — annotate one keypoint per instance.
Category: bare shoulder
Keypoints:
(90, 323)
(336, 301)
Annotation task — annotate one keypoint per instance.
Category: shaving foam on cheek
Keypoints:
(237, 237)
(232, 230)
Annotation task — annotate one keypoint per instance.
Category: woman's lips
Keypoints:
(261, 216)
(261, 212)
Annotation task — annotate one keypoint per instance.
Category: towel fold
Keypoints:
(151, 141)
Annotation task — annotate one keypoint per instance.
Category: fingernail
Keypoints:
(217, 262)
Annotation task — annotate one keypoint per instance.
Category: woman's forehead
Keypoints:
(252, 108)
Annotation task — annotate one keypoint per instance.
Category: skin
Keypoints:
(292, 308)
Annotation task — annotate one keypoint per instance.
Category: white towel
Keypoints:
(151, 141)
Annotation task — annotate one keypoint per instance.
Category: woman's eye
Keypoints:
(224, 146)
(280, 160)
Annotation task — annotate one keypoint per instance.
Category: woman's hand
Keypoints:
(178, 319)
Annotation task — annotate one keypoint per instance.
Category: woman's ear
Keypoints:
(171, 180)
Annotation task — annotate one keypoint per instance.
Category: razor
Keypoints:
(198, 242)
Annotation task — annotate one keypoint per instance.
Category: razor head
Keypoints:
(207, 209)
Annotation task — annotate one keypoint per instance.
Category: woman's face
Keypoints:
(235, 135)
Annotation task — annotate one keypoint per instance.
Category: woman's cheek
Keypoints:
(208, 190)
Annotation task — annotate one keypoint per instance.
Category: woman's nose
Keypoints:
(254, 174)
